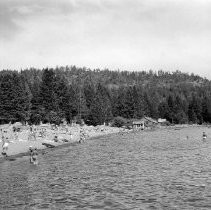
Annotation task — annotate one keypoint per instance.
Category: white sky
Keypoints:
(115, 34)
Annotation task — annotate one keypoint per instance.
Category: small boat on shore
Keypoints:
(50, 144)
(53, 143)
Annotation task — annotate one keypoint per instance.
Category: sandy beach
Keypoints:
(19, 142)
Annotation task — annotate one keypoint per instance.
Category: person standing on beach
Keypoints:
(71, 136)
(81, 135)
(32, 134)
(204, 136)
(55, 139)
(15, 132)
(5, 144)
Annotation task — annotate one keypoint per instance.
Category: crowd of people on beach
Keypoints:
(33, 133)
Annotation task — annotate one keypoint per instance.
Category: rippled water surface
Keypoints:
(162, 169)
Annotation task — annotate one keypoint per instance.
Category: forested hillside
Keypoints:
(50, 95)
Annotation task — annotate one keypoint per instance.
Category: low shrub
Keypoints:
(119, 122)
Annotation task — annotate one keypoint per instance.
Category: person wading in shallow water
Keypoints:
(30, 154)
(33, 155)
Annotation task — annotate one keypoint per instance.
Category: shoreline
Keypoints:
(94, 133)
(44, 150)
(20, 148)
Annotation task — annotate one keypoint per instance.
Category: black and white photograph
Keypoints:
(105, 104)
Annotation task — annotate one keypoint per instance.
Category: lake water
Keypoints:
(163, 169)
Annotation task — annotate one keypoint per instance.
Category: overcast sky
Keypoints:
(115, 34)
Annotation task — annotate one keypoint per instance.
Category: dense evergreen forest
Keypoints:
(50, 95)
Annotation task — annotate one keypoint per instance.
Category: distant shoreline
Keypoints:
(43, 149)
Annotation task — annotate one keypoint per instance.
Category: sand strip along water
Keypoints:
(20, 147)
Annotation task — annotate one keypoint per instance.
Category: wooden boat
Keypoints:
(50, 144)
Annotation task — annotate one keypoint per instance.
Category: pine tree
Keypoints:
(119, 103)
(179, 113)
(15, 98)
(164, 110)
(47, 96)
(129, 103)
(37, 110)
(73, 105)
(206, 109)
(101, 111)
(195, 110)
(138, 103)
(171, 114)
(89, 92)
(62, 96)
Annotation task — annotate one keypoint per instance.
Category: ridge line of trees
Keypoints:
(50, 95)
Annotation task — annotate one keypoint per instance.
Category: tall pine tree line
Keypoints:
(50, 95)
